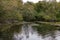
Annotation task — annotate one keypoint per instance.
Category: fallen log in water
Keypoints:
(50, 23)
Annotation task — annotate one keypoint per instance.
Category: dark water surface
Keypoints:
(31, 32)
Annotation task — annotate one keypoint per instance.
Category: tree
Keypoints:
(46, 10)
(10, 10)
(29, 12)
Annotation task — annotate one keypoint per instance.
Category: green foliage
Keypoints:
(9, 11)
(48, 11)
(13, 16)
(41, 11)
(29, 12)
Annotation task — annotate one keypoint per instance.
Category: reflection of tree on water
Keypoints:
(18, 37)
(7, 34)
(52, 34)
(45, 31)
(0, 35)
(26, 30)
(24, 33)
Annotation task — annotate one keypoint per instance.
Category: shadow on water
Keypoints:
(46, 30)
(8, 33)
(29, 32)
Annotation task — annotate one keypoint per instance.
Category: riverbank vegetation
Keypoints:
(15, 11)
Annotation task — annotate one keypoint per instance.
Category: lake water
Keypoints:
(29, 32)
